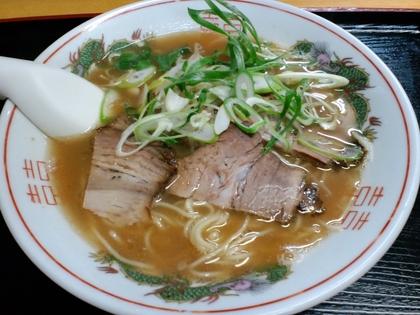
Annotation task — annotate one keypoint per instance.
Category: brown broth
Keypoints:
(170, 250)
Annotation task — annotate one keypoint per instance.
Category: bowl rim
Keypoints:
(372, 253)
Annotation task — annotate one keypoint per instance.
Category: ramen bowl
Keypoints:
(368, 227)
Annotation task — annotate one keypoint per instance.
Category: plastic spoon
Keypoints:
(58, 102)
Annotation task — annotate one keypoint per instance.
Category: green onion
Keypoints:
(260, 83)
(269, 145)
(277, 88)
(151, 127)
(221, 91)
(197, 121)
(204, 134)
(222, 121)
(134, 60)
(131, 112)
(333, 149)
(136, 78)
(278, 134)
(165, 62)
(263, 105)
(244, 87)
(150, 107)
(295, 100)
(247, 25)
(174, 102)
(325, 80)
(265, 66)
(250, 122)
(196, 16)
(108, 110)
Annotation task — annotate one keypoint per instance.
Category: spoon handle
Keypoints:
(57, 101)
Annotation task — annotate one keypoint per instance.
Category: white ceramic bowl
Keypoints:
(387, 189)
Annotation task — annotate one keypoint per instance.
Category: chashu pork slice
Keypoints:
(272, 189)
(232, 173)
(213, 172)
(121, 189)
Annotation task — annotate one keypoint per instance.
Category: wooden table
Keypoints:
(12, 10)
(392, 286)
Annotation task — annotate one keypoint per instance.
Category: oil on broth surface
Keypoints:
(164, 249)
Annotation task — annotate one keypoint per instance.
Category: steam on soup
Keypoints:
(220, 154)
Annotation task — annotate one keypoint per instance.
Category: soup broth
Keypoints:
(165, 245)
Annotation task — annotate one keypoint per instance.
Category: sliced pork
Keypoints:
(233, 173)
(271, 190)
(122, 189)
(213, 172)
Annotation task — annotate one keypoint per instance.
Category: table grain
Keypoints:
(392, 286)
(19, 10)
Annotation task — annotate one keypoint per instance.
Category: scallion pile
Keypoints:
(188, 95)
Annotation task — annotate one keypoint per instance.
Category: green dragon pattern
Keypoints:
(176, 289)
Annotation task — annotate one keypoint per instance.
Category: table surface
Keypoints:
(392, 286)
(40, 9)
